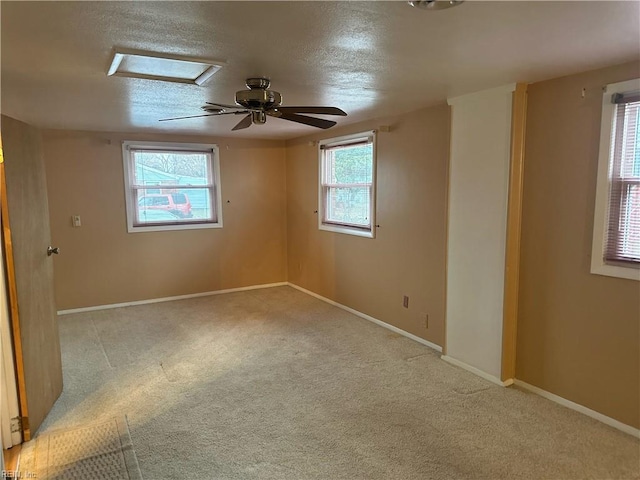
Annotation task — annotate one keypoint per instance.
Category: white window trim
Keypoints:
(130, 207)
(359, 232)
(600, 216)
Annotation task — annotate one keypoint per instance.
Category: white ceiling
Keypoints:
(371, 58)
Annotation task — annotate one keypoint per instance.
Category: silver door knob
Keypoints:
(51, 250)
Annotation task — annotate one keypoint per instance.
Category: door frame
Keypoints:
(9, 272)
(9, 403)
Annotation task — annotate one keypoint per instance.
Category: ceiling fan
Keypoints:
(258, 102)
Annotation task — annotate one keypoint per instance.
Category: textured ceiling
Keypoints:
(369, 58)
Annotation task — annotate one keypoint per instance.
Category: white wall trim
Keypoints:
(397, 330)
(623, 427)
(477, 371)
(169, 299)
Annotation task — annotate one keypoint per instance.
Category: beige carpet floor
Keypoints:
(275, 384)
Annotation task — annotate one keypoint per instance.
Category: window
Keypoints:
(616, 237)
(171, 186)
(347, 184)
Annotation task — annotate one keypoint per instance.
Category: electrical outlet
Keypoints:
(405, 302)
(426, 321)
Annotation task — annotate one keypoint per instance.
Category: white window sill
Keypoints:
(630, 273)
(346, 230)
(160, 228)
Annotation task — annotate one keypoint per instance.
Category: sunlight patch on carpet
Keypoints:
(98, 451)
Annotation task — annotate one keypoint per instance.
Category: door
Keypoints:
(26, 237)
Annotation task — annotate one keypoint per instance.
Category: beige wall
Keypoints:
(578, 333)
(407, 257)
(100, 263)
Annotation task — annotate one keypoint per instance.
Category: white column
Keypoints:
(478, 193)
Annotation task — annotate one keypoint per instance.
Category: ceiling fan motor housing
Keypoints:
(258, 96)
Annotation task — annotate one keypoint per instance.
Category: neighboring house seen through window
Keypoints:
(347, 184)
(171, 186)
(616, 240)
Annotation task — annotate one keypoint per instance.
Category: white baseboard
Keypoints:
(397, 330)
(623, 427)
(169, 299)
(476, 371)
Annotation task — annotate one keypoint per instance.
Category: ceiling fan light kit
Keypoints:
(435, 4)
(258, 102)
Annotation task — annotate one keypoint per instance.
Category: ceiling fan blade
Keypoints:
(190, 116)
(294, 117)
(225, 105)
(244, 123)
(212, 114)
(316, 110)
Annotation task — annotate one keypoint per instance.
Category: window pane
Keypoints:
(170, 168)
(629, 242)
(350, 164)
(200, 200)
(629, 146)
(150, 215)
(630, 208)
(349, 205)
(623, 243)
(175, 206)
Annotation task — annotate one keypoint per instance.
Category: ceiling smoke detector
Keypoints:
(435, 4)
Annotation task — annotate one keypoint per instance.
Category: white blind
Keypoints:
(623, 238)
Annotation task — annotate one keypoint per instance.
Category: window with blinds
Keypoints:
(347, 184)
(171, 186)
(616, 240)
(623, 239)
